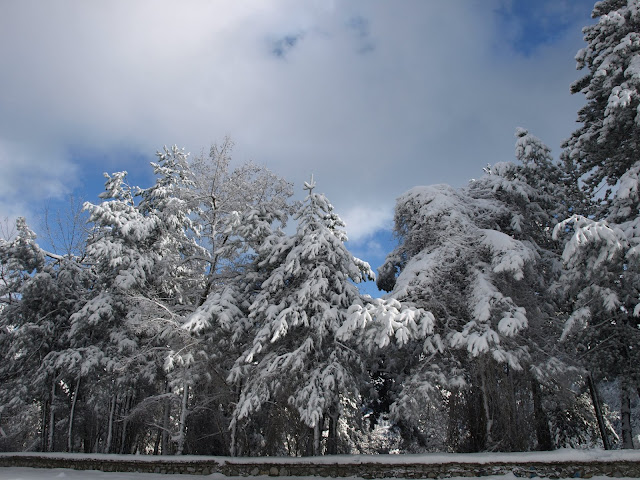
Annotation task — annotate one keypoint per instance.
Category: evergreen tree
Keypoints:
(304, 315)
(41, 291)
(480, 258)
(296, 357)
(601, 256)
(605, 147)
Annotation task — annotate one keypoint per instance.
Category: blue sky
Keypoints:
(372, 97)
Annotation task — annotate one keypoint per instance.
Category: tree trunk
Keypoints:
(112, 411)
(598, 411)
(232, 443)
(487, 410)
(183, 419)
(156, 445)
(44, 427)
(308, 441)
(233, 448)
(625, 413)
(332, 439)
(316, 438)
(72, 415)
(125, 422)
(545, 442)
(52, 417)
(165, 422)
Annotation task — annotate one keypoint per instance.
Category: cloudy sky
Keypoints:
(372, 97)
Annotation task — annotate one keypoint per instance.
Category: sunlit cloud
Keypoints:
(372, 97)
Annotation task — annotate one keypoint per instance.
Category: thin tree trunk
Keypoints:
(45, 431)
(156, 446)
(232, 443)
(625, 414)
(598, 411)
(125, 423)
(332, 440)
(165, 423)
(545, 442)
(334, 416)
(233, 448)
(72, 415)
(514, 426)
(52, 419)
(487, 410)
(183, 420)
(316, 439)
(211, 277)
(112, 411)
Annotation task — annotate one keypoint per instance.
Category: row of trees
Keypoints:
(188, 321)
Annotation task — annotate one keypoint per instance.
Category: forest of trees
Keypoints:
(210, 314)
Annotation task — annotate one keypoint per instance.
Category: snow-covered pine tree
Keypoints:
(236, 210)
(305, 312)
(480, 258)
(20, 335)
(166, 255)
(605, 147)
(107, 333)
(219, 327)
(295, 358)
(40, 291)
(147, 259)
(453, 274)
(602, 253)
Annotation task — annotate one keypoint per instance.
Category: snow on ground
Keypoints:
(18, 473)
(560, 455)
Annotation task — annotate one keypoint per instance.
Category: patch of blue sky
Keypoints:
(526, 26)
(97, 162)
(374, 250)
(57, 210)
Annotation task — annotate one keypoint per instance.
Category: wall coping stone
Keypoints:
(558, 464)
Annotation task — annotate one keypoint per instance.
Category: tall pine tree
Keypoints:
(602, 254)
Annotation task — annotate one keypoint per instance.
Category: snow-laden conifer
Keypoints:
(481, 258)
(305, 313)
(601, 252)
(40, 291)
(605, 147)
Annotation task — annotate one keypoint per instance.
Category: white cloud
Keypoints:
(372, 97)
(363, 221)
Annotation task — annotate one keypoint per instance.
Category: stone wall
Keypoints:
(291, 467)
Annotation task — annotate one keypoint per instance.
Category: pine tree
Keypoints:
(146, 258)
(237, 209)
(305, 313)
(601, 254)
(480, 258)
(41, 291)
(296, 357)
(605, 147)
